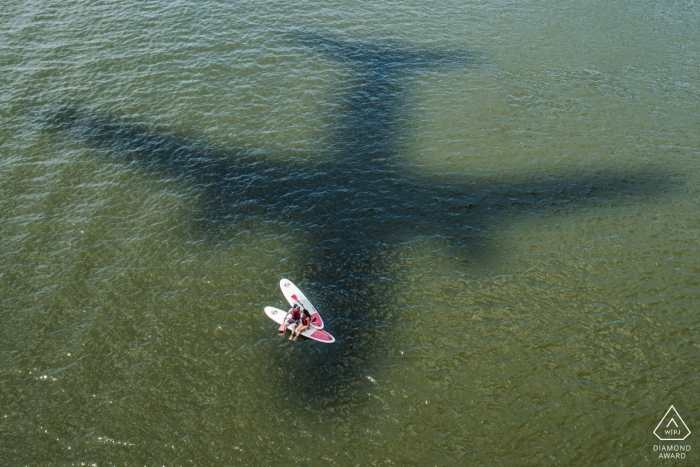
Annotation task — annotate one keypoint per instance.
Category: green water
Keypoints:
(494, 206)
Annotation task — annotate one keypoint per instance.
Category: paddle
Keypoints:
(283, 326)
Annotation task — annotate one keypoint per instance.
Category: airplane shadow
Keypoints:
(356, 207)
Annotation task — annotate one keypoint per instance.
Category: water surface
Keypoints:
(493, 205)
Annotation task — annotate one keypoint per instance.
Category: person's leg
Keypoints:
(300, 330)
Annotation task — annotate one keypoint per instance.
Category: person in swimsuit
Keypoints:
(292, 317)
(303, 324)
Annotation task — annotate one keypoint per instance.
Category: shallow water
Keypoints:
(493, 205)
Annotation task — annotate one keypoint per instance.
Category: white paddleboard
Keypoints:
(277, 315)
(295, 297)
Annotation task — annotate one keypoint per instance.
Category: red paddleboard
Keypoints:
(277, 315)
(295, 297)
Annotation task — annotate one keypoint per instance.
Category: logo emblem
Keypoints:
(672, 427)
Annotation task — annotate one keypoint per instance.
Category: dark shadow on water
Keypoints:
(356, 207)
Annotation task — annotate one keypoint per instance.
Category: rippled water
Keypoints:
(493, 205)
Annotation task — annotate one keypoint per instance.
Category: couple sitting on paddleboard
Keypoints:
(296, 316)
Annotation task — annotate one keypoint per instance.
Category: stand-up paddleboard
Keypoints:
(295, 297)
(277, 315)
